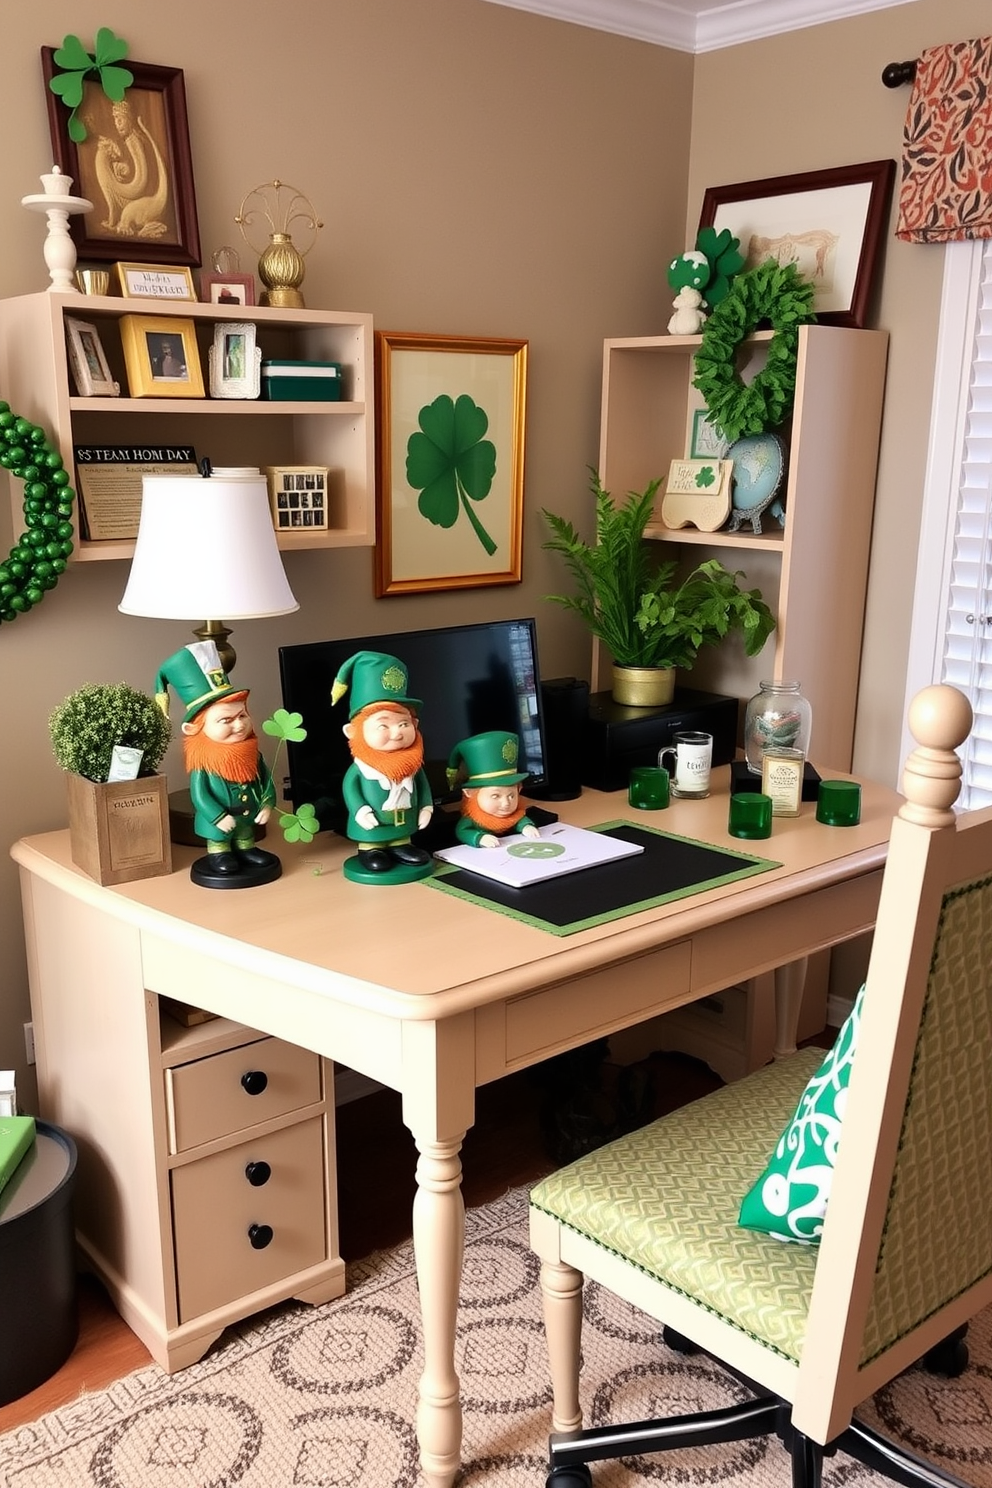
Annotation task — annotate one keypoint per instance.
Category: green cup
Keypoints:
(750, 815)
(838, 803)
(648, 788)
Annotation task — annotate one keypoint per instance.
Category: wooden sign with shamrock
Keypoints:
(697, 494)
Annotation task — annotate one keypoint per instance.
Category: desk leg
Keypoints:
(789, 983)
(439, 1244)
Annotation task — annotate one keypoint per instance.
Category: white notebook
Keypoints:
(519, 861)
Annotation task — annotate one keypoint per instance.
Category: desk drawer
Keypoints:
(214, 1207)
(590, 1006)
(211, 1098)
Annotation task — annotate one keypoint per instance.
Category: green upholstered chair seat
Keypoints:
(666, 1199)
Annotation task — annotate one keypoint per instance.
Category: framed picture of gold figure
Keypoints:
(134, 165)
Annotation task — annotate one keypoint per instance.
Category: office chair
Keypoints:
(904, 1258)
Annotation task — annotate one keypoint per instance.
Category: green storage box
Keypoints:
(295, 382)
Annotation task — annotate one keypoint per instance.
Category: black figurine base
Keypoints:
(249, 875)
(357, 871)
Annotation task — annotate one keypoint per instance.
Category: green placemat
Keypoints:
(670, 867)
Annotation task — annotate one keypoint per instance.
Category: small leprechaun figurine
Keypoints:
(490, 789)
(229, 782)
(386, 789)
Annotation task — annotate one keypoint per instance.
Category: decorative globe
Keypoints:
(759, 472)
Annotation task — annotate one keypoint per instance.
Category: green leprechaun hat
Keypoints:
(197, 676)
(373, 677)
(489, 759)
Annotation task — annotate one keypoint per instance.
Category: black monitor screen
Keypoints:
(471, 678)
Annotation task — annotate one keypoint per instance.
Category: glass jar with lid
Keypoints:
(777, 717)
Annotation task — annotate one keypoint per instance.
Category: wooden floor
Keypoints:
(517, 1138)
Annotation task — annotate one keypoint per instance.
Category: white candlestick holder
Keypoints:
(58, 204)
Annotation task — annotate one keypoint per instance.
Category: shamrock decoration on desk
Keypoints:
(78, 65)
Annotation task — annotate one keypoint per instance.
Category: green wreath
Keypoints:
(38, 558)
(774, 292)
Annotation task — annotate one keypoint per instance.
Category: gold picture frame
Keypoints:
(145, 281)
(450, 461)
(156, 366)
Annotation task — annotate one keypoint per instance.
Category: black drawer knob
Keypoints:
(258, 1173)
(260, 1236)
(254, 1081)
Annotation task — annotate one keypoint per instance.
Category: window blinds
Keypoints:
(967, 661)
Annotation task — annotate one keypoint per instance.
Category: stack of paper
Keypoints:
(519, 860)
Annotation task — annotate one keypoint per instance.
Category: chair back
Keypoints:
(906, 1251)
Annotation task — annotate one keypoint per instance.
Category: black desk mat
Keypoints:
(670, 867)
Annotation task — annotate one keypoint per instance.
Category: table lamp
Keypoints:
(206, 546)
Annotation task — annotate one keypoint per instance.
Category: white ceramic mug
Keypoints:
(693, 753)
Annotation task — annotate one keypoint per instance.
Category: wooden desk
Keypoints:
(423, 993)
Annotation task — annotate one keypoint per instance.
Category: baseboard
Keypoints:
(838, 1010)
(349, 1085)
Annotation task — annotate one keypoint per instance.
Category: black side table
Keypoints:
(38, 1319)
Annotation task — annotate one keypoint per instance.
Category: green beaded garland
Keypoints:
(38, 557)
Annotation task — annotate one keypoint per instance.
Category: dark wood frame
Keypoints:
(84, 227)
(878, 174)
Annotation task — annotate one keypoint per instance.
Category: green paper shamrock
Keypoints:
(78, 65)
(722, 252)
(450, 463)
(705, 476)
(300, 825)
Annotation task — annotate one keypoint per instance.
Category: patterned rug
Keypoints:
(324, 1398)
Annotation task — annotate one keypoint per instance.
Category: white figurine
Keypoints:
(688, 313)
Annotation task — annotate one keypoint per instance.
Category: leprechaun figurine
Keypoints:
(385, 789)
(491, 806)
(229, 782)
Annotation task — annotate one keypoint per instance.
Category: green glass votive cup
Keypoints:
(648, 787)
(838, 803)
(750, 815)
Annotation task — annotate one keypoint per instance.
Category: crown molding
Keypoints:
(699, 25)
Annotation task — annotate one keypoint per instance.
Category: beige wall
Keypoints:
(479, 171)
(804, 102)
(484, 171)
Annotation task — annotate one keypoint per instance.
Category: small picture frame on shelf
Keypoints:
(697, 494)
(141, 281)
(87, 360)
(706, 442)
(161, 357)
(227, 289)
(234, 361)
(298, 496)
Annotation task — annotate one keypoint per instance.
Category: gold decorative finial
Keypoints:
(280, 262)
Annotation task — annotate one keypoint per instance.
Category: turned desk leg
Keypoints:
(439, 1243)
(789, 983)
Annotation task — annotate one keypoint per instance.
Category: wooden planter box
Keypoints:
(119, 831)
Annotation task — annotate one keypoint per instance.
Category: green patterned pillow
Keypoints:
(789, 1200)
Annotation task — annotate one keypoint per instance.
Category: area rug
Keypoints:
(325, 1397)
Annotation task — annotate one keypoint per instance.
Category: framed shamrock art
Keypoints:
(450, 462)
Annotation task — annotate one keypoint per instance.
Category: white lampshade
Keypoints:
(206, 548)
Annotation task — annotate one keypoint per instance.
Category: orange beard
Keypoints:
(394, 764)
(234, 762)
(498, 825)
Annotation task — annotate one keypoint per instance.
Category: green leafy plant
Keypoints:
(451, 464)
(300, 825)
(635, 606)
(87, 724)
(78, 64)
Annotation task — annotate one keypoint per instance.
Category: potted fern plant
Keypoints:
(118, 828)
(649, 620)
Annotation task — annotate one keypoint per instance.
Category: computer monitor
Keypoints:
(471, 678)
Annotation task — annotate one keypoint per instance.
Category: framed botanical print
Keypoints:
(450, 458)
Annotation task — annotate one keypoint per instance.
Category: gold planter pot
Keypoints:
(643, 687)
